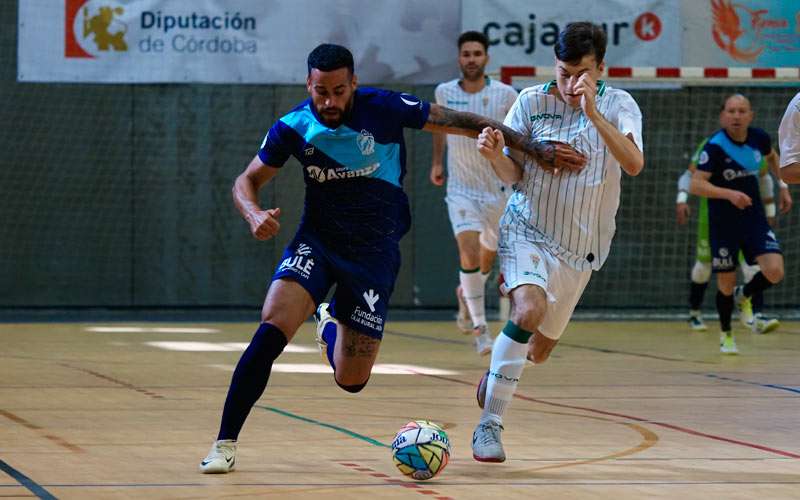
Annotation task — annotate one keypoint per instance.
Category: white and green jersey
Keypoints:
(789, 133)
(570, 213)
(469, 173)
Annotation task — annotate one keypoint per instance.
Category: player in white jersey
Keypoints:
(475, 196)
(789, 138)
(558, 225)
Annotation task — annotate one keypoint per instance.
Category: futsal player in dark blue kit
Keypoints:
(349, 141)
(727, 174)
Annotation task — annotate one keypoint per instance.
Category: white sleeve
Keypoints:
(629, 119)
(510, 98)
(518, 117)
(789, 133)
(439, 96)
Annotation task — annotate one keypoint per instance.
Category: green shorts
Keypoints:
(703, 241)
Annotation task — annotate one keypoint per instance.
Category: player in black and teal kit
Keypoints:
(751, 315)
(349, 142)
(727, 171)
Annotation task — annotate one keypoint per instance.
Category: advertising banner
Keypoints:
(755, 33)
(232, 41)
(640, 32)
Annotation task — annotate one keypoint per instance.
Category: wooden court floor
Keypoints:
(622, 410)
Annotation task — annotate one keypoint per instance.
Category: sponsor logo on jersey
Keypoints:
(703, 158)
(724, 252)
(322, 175)
(730, 174)
(308, 151)
(545, 116)
(453, 102)
(366, 143)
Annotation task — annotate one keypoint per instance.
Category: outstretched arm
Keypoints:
(553, 155)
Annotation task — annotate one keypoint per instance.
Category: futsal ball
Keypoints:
(421, 449)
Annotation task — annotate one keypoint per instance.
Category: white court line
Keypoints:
(155, 329)
(188, 346)
(382, 369)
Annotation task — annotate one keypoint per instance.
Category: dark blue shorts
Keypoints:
(751, 235)
(363, 283)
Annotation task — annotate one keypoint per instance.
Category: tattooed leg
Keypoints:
(355, 354)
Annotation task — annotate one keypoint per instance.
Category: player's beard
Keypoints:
(472, 73)
(333, 120)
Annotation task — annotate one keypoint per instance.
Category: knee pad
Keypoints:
(352, 388)
(701, 272)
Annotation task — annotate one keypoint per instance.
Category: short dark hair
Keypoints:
(329, 57)
(474, 36)
(581, 39)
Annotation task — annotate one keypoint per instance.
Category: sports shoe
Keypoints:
(463, 319)
(744, 306)
(480, 395)
(696, 323)
(727, 345)
(763, 324)
(483, 340)
(221, 459)
(322, 317)
(486, 444)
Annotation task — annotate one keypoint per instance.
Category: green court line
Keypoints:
(323, 424)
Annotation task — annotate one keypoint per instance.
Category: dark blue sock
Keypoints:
(758, 301)
(250, 378)
(696, 293)
(725, 310)
(329, 336)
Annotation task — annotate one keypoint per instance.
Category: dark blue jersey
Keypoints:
(353, 173)
(735, 165)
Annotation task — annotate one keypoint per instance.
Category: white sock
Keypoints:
(508, 361)
(472, 285)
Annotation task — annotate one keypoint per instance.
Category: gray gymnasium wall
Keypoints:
(116, 195)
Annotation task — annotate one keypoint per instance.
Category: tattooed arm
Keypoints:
(555, 155)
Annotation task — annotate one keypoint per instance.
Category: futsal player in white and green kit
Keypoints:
(558, 225)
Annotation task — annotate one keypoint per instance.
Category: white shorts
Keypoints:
(468, 214)
(526, 263)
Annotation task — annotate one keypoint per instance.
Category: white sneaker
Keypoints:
(762, 324)
(486, 444)
(727, 345)
(463, 319)
(483, 340)
(221, 459)
(697, 324)
(322, 317)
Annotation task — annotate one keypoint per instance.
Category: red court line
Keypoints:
(114, 381)
(399, 482)
(40, 430)
(678, 428)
